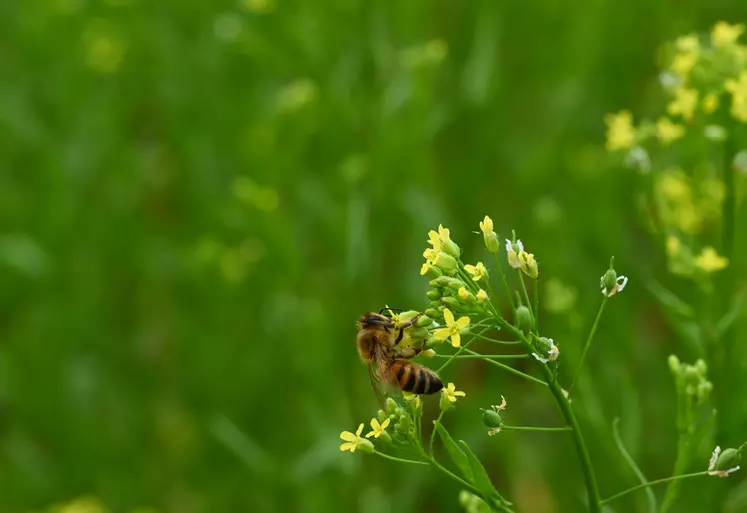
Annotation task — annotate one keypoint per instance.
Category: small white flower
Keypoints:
(712, 465)
(552, 353)
(619, 286)
(512, 255)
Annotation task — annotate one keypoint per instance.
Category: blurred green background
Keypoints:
(197, 200)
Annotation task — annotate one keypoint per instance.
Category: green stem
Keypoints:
(456, 478)
(650, 497)
(401, 460)
(729, 204)
(505, 342)
(462, 348)
(652, 483)
(433, 433)
(483, 356)
(536, 305)
(524, 289)
(537, 428)
(505, 282)
(509, 369)
(588, 344)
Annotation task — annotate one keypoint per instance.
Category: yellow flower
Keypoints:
(683, 63)
(529, 264)
(668, 131)
(354, 441)
(482, 296)
(674, 246)
(513, 257)
(738, 90)
(687, 44)
(378, 429)
(684, 102)
(710, 261)
(440, 238)
(620, 131)
(724, 34)
(463, 294)
(486, 225)
(413, 398)
(478, 271)
(675, 186)
(451, 393)
(710, 103)
(452, 328)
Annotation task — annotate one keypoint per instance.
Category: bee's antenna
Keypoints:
(386, 308)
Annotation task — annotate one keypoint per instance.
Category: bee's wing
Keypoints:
(376, 385)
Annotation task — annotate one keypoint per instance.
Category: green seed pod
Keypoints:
(728, 459)
(524, 319)
(492, 418)
(491, 242)
(365, 445)
(609, 280)
(391, 405)
(433, 294)
(544, 344)
(424, 321)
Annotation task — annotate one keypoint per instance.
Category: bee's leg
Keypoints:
(404, 327)
(407, 353)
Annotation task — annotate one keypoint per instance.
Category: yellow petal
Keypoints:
(456, 340)
(348, 436)
(460, 393)
(463, 322)
(359, 430)
(385, 424)
(424, 269)
(347, 447)
(470, 268)
(372, 433)
(448, 317)
(442, 333)
(451, 398)
(374, 424)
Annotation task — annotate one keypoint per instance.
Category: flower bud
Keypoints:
(674, 364)
(433, 294)
(434, 304)
(385, 437)
(524, 319)
(434, 312)
(492, 418)
(529, 264)
(431, 271)
(444, 403)
(609, 280)
(728, 459)
(403, 426)
(381, 415)
(428, 353)
(701, 367)
(418, 333)
(447, 281)
(491, 242)
(704, 390)
(423, 321)
(446, 263)
(391, 405)
(407, 316)
(482, 296)
(452, 302)
(365, 445)
(450, 248)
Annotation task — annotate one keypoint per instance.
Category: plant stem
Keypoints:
(433, 433)
(509, 369)
(536, 305)
(537, 428)
(401, 460)
(483, 356)
(588, 344)
(506, 342)
(652, 483)
(650, 497)
(456, 478)
(505, 282)
(524, 289)
(462, 348)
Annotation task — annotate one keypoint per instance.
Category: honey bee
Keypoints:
(377, 339)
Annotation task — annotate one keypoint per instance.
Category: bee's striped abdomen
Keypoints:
(415, 378)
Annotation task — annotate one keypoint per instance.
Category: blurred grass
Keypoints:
(198, 199)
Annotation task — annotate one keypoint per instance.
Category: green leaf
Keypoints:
(482, 481)
(456, 454)
(670, 302)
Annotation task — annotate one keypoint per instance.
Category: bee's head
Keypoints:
(372, 320)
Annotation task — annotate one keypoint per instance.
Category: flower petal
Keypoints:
(375, 424)
(348, 436)
(359, 430)
(372, 433)
(385, 424)
(347, 447)
(442, 333)
(456, 340)
(460, 393)
(448, 317)
(463, 322)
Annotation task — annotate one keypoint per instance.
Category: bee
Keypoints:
(377, 339)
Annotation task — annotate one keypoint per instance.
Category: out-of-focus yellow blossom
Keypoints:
(675, 185)
(684, 103)
(725, 35)
(620, 131)
(683, 63)
(463, 294)
(668, 131)
(710, 103)
(738, 90)
(452, 329)
(482, 296)
(478, 271)
(674, 246)
(687, 44)
(710, 261)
